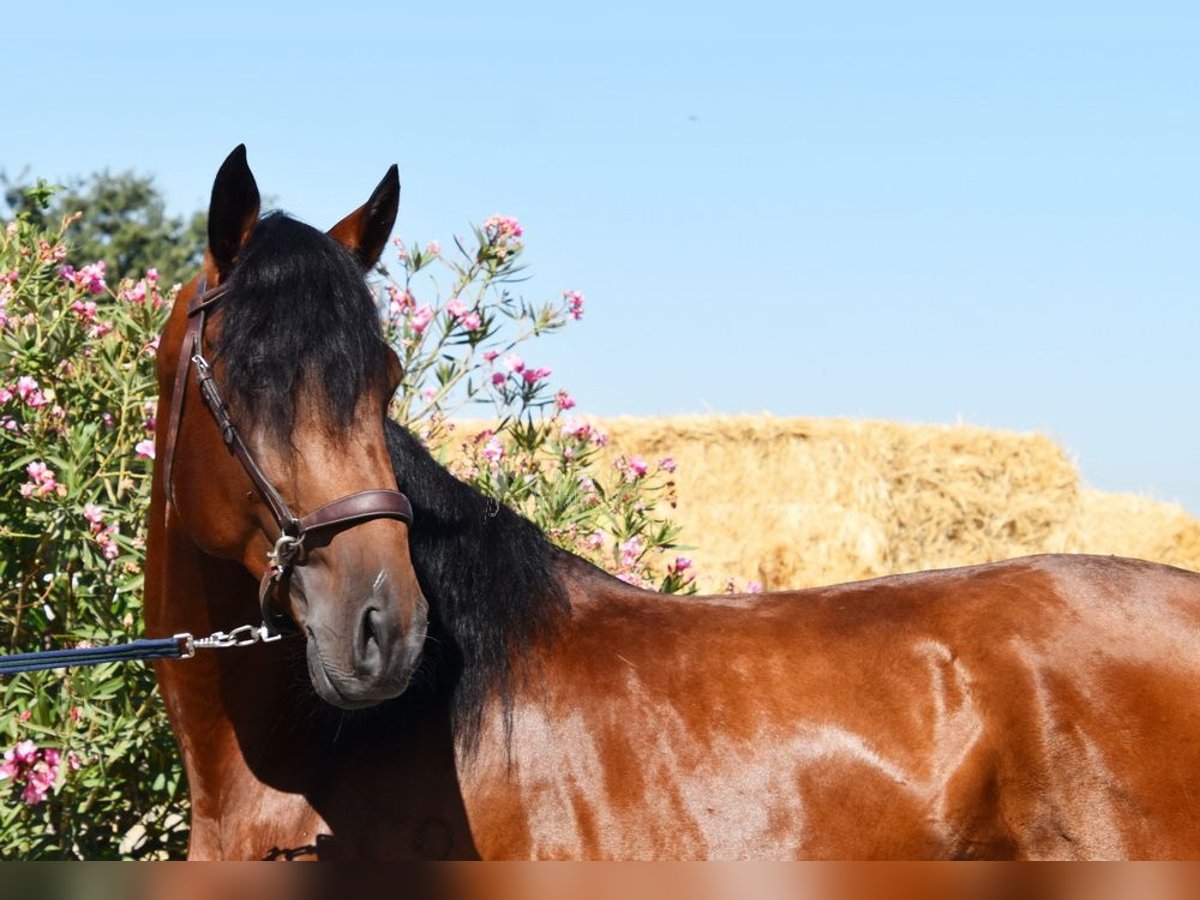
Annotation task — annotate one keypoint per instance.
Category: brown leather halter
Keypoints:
(294, 531)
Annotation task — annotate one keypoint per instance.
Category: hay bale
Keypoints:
(797, 502)
(794, 502)
(1132, 525)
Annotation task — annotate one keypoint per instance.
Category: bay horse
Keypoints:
(458, 687)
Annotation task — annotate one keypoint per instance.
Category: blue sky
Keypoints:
(927, 213)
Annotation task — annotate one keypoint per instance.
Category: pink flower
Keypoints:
(533, 376)
(493, 450)
(136, 294)
(433, 248)
(94, 514)
(564, 401)
(152, 275)
(108, 544)
(667, 464)
(42, 480)
(471, 321)
(631, 551)
(74, 760)
(575, 427)
(6, 395)
(498, 378)
(420, 319)
(457, 308)
(67, 273)
(491, 355)
(92, 277)
(501, 229)
(638, 466)
(26, 385)
(754, 587)
(145, 449)
(595, 540)
(680, 565)
(574, 303)
(36, 400)
(84, 310)
(24, 753)
(513, 363)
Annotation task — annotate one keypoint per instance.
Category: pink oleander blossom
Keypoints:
(493, 450)
(420, 318)
(574, 301)
(631, 551)
(26, 385)
(533, 376)
(94, 515)
(85, 310)
(498, 378)
(91, 278)
(144, 449)
(503, 229)
(490, 355)
(564, 401)
(471, 321)
(106, 539)
(513, 363)
(680, 565)
(42, 480)
(456, 308)
(433, 248)
(667, 464)
(136, 294)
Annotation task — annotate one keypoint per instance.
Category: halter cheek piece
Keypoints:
(294, 531)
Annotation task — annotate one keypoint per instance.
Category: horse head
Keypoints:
(287, 470)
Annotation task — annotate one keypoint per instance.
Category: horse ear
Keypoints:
(365, 231)
(232, 211)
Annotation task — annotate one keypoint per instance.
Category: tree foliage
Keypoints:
(122, 220)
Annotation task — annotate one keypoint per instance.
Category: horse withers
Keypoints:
(454, 686)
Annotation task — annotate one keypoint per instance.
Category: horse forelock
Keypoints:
(299, 321)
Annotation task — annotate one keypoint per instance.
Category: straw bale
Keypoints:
(796, 502)
(1133, 525)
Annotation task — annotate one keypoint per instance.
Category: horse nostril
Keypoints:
(370, 628)
(370, 635)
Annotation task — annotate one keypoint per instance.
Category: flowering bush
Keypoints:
(89, 763)
(459, 349)
(90, 767)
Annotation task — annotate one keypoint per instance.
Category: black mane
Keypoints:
(332, 345)
(490, 580)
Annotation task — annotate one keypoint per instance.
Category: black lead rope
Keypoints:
(146, 648)
(181, 646)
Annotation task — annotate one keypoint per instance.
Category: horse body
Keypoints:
(1037, 708)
